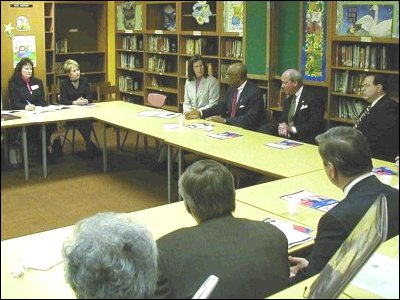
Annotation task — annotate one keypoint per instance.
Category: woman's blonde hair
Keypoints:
(69, 64)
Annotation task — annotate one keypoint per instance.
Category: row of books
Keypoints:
(157, 64)
(348, 83)
(62, 46)
(159, 43)
(132, 42)
(129, 83)
(233, 48)
(129, 60)
(363, 57)
(348, 108)
(200, 46)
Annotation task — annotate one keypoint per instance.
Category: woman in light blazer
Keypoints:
(201, 89)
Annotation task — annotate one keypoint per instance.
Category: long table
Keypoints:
(267, 196)
(47, 245)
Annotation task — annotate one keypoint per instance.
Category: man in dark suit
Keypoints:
(249, 257)
(303, 112)
(347, 162)
(243, 105)
(379, 122)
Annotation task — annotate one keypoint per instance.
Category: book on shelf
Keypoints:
(224, 135)
(284, 144)
(295, 234)
(311, 200)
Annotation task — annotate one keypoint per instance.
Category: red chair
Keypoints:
(154, 100)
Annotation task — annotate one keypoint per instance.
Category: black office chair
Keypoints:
(69, 127)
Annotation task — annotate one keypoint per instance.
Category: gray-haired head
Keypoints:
(346, 149)
(208, 189)
(111, 257)
(294, 76)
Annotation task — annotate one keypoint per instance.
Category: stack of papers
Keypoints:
(50, 108)
(312, 200)
(295, 234)
(285, 144)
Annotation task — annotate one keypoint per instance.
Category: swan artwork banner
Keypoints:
(368, 19)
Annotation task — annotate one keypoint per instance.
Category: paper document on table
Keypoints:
(285, 144)
(158, 113)
(295, 234)
(42, 258)
(312, 200)
(224, 135)
(383, 171)
(204, 126)
(380, 275)
(50, 108)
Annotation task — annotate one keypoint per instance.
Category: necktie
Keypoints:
(234, 104)
(362, 116)
(292, 110)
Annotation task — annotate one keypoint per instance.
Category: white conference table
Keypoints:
(44, 248)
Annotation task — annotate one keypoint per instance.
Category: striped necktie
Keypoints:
(362, 116)
(234, 104)
(292, 110)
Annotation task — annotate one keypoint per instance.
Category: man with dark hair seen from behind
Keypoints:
(111, 257)
(379, 122)
(347, 162)
(249, 257)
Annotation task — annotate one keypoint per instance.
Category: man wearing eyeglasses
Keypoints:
(379, 122)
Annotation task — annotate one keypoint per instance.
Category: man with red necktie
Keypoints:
(243, 105)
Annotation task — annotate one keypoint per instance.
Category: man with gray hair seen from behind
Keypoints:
(347, 162)
(111, 257)
(249, 257)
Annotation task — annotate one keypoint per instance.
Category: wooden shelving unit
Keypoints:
(75, 30)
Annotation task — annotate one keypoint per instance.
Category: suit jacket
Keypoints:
(308, 117)
(381, 128)
(250, 258)
(337, 224)
(206, 96)
(68, 93)
(250, 111)
(19, 93)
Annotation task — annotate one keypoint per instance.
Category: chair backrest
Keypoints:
(156, 100)
(55, 91)
(93, 88)
(107, 93)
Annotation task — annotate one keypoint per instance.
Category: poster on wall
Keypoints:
(129, 16)
(24, 46)
(368, 19)
(313, 52)
(233, 16)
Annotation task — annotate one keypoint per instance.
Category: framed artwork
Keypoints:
(313, 50)
(24, 46)
(129, 16)
(368, 19)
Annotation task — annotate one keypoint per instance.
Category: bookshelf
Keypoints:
(353, 57)
(75, 30)
(49, 45)
(170, 35)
